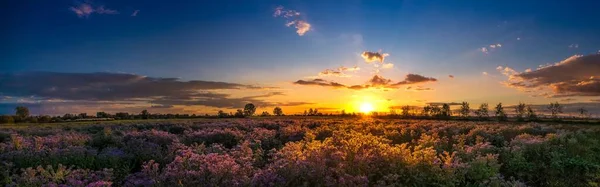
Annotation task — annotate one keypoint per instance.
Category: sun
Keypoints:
(366, 108)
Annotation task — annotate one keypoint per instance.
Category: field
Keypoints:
(300, 151)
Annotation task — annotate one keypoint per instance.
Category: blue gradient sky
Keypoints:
(242, 42)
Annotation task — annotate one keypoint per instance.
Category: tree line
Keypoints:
(522, 112)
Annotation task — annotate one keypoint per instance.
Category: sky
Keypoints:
(199, 57)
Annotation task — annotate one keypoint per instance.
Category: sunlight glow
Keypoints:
(366, 108)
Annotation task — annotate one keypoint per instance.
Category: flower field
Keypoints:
(301, 152)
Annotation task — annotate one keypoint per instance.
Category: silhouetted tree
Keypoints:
(500, 112)
(44, 119)
(446, 112)
(222, 114)
(436, 111)
(483, 111)
(277, 111)
(426, 110)
(102, 115)
(465, 109)
(82, 115)
(531, 116)
(7, 119)
(555, 109)
(520, 111)
(240, 114)
(405, 111)
(343, 113)
(122, 115)
(265, 113)
(145, 114)
(249, 109)
(22, 112)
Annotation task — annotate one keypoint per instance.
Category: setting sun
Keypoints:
(366, 108)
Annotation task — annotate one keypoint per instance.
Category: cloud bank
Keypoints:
(84, 10)
(575, 76)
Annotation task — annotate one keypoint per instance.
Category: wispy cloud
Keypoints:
(84, 10)
(387, 66)
(487, 49)
(293, 19)
(574, 46)
(135, 13)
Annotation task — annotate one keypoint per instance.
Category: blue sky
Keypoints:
(242, 42)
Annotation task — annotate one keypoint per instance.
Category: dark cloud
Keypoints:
(451, 76)
(574, 76)
(418, 88)
(378, 80)
(415, 79)
(103, 86)
(442, 103)
(320, 82)
(102, 89)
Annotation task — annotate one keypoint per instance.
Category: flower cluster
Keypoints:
(302, 152)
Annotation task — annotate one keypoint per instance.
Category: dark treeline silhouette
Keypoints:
(522, 112)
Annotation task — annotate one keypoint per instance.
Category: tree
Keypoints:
(483, 111)
(122, 115)
(446, 110)
(583, 113)
(7, 119)
(222, 114)
(520, 111)
(500, 112)
(426, 110)
(249, 109)
(22, 112)
(265, 113)
(240, 113)
(436, 111)
(102, 115)
(531, 116)
(82, 115)
(44, 119)
(277, 111)
(465, 109)
(555, 109)
(145, 114)
(405, 111)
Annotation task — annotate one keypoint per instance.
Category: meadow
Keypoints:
(300, 151)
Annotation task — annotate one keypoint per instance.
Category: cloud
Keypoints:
(340, 72)
(85, 88)
(483, 50)
(377, 81)
(293, 19)
(484, 73)
(575, 76)
(451, 76)
(418, 88)
(574, 46)
(349, 69)
(84, 10)
(320, 82)
(487, 49)
(374, 56)
(415, 79)
(387, 66)
(329, 72)
(302, 27)
(442, 103)
(135, 13)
